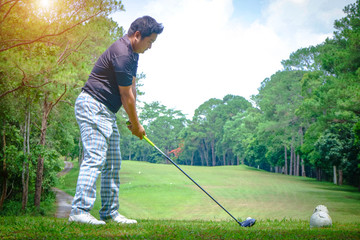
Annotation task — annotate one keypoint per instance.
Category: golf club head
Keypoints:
(248, 222)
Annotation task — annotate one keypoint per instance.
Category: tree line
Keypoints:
(304, 121)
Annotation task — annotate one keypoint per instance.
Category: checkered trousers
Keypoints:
(101, 142)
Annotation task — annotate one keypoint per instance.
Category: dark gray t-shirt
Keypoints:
(116, 67)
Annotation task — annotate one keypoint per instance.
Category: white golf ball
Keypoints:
(248, 218)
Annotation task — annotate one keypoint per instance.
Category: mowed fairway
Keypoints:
(160, 191)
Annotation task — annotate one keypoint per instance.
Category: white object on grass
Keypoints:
(320, 217)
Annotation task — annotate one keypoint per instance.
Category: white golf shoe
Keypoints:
(86, 218)
(122, 220)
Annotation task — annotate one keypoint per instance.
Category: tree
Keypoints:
(206, 118)
(209, 121)
(304, 59)
(27, 22)
(278, 99)
(163, 125)
(336, 148)
(51, 53)
(240, 131)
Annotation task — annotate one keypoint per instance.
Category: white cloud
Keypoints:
(205, 53)
(303, 22)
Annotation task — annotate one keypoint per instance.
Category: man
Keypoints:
(111, 85)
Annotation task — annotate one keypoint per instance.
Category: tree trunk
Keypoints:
(205, 153)
(224, 158)
(294, 164)
(202, 153)
(301, 132)
(202, 158)
(4, 172)
(130, 149)
(297, 164)
(286, 163)
(166, 150)
(167, 153)
(291, 158)
(318, 173)
(303, 173)
(192, 158)
(25, 183)
(334, 175)
(213, 155)
(47, 107)
(26, 150)
(40, 162)
(340, 177)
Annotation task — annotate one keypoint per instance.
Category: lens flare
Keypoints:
(45, 3)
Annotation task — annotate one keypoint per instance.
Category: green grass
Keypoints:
(167, 205)
(162, 192)
(51, 228)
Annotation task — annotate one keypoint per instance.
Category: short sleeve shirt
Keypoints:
(116, 67)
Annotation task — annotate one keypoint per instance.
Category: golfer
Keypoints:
(110, 85)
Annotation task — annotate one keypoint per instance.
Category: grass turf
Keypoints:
(161, 192)
(169, 206)
(51, 228)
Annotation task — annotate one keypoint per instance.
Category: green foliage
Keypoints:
(14, 164)
(347, 57)
(335, 145)
(304, 59)
(13, 207)
(163, 127)
(45, 57)
(26, 22)
(204, 137)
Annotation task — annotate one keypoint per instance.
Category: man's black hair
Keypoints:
(146, 26)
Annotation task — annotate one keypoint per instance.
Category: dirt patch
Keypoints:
(68, 166)
(63, 200)
(63, 203)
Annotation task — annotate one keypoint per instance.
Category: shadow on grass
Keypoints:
(329, 186)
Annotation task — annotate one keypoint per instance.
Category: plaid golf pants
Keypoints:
(101, 142)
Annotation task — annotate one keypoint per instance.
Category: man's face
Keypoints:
(144, 44)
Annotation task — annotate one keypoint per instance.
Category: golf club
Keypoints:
(247, 223)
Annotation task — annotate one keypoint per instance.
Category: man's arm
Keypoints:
(128, 99)
(134, 87)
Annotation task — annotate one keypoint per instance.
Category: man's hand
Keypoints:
(137, 130)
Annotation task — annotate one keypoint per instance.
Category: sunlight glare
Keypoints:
(45, 3)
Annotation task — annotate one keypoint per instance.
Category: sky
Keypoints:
(211, 48)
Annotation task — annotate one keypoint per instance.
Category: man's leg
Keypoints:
(95, 127)
(110, 181)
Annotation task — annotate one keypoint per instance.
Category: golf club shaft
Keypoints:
(168, 158)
